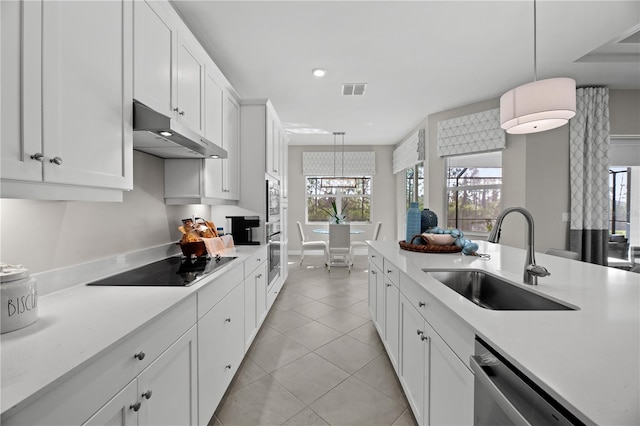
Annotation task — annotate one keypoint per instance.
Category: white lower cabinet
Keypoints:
(255, 294)
(414, 372)
(450, 399)
(119, 410)
(427, 345)
(220, 352)
(163, 394)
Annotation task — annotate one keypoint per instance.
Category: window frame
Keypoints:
(448, 189)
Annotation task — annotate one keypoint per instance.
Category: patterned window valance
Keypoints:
(410, 152)
(478, 132)
(330, 164)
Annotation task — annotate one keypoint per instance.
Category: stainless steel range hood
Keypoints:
(164, 137)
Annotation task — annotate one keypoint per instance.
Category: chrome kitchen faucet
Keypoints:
(531, 270)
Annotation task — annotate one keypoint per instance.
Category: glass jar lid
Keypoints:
(12, 272)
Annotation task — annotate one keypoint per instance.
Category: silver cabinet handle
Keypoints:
(227, 320)
(388, 285)
(136, 406)
(421, 304)
(140, 355)
(228, 366)
(423, 337)
(181, 113)
(259, 276)
(389, 271)
(147, 394)
(419, 332)
(374, 272)
(175, 109)
(259, 260)
(56, 160)
(38, 157)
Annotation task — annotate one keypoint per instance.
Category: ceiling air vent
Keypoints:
(353, 89)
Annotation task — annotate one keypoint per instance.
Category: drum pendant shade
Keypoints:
(538, 106)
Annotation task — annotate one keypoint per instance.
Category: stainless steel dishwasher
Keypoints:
(505, 396)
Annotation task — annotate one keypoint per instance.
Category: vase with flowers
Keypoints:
(334, 216)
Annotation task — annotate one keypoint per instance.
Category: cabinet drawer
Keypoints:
(391, 272)
(452, 329)
(375, 258)
(415, 294)
(74, 400)
(253, 261)
(212, 293)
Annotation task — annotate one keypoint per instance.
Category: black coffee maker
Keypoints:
(242, 229)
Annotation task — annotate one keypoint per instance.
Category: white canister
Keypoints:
(19, 295)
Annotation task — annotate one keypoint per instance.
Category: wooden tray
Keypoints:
(428, 248)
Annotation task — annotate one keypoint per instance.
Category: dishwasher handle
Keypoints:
(485, 381)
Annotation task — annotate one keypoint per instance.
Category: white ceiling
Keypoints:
(417, 57)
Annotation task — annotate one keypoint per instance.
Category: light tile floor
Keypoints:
(318, 359)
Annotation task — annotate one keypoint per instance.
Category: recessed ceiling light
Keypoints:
(319, 72)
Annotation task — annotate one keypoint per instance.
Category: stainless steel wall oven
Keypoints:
(272, 227)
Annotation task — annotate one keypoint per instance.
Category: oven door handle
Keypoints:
(496, 394)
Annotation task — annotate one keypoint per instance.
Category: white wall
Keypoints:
(382, 203)
(46, 235)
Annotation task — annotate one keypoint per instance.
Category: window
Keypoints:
(619, 205)
(352, 196)
(415, 185)
(473, 191)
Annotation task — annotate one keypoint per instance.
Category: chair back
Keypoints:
(339, 235)
(376, 231)
(300, 231)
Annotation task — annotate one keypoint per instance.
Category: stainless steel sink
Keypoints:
(491, 292)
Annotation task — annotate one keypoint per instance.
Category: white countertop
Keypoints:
(78, 324)
(588, 359)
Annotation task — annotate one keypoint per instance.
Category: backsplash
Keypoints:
(48, 235)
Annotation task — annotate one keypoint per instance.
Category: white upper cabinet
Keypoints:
(155, 42)
(72, 124)
(214, 98)
(190, 83)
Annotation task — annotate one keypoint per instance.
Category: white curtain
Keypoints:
(589, 174)
(410, 152)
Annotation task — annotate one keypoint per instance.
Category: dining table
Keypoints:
(326, 231)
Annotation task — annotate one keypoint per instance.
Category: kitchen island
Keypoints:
(588, 359)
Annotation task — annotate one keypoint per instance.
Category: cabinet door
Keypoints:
(231, 132)
(167, 389)
(373, 288)
(261, 278)
(380, 305)
(250, 323)
(121, 410)
(414, 357)
(391, 318)
(155, 40)
(451, 386)
(220, 351)
(87, 76)
(190, 84)
(21, 112)
(213, 107)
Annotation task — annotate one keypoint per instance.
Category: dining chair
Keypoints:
(362, 244)
(563, 253)
(339, 246)
(315, 244)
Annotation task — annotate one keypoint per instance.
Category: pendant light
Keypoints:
(540, 105)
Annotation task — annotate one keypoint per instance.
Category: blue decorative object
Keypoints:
(413, 221)
(468, 246)
(428, 220)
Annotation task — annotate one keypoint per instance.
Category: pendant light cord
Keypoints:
(535, 47)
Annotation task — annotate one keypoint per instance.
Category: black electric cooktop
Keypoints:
(173, 271)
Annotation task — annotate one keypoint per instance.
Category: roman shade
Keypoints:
(410, 152)
(479, 132)
(330, 164)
